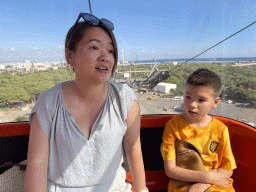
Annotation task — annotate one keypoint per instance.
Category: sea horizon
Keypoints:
(179, 60)
(206, 60)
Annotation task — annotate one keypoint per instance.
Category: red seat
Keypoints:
(155, 180)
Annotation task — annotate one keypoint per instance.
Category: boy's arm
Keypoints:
(209, 177)
(198, 187)
(225, 172)
(182, 174)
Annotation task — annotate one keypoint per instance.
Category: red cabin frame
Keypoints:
(242, 136)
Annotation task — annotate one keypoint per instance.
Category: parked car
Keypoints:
(244, 121)
(177, 98)
(245, 105)
(180, 109)
(251, 124)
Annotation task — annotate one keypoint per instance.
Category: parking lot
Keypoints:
(165, 106)
(158, 105)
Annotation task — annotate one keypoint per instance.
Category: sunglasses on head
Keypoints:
(91, 19)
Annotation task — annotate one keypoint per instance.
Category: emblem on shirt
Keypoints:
(213, 146)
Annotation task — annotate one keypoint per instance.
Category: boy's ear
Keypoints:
(216, 102)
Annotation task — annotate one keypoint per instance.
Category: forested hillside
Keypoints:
(26, 87)
(239, 83)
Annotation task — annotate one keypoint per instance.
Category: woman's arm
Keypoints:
(132, 147)
(37, 161)
(210, 177)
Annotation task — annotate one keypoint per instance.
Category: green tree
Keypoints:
(21, 118)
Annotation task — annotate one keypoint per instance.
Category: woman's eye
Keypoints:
(201, 100)
(111, 51)
(94, 48)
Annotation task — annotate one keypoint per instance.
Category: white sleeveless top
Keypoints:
(74, 160)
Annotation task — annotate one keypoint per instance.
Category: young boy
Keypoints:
(209, 136)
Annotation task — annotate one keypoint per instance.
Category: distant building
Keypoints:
(164, 87)
(2, 67)
(38, 67)
(28, 65)
(171, 63)
(53, 68)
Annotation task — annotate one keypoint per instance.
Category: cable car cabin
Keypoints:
(14, 144)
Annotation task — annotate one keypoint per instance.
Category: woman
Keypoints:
(79, 128)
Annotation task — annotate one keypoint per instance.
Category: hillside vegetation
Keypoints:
(239, 83)
(26, 87)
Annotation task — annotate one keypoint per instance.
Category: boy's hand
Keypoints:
(198, 187)
(217, 178)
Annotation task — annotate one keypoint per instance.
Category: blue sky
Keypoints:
(144, 29)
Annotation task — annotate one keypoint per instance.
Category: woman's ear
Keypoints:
(69, 56)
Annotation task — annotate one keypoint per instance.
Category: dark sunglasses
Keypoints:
(91, 19)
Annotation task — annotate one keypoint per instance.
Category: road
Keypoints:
(164, 106)
(10, 115)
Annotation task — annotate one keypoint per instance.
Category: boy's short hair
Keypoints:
(205, 77)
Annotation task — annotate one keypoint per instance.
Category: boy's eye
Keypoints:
(201, 100)
(188, 97)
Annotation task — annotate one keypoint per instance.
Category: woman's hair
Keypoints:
(75, 35)
(205, 77)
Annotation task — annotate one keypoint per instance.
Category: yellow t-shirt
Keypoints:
(212, 142)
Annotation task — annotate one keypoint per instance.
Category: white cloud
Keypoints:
(12, 49)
